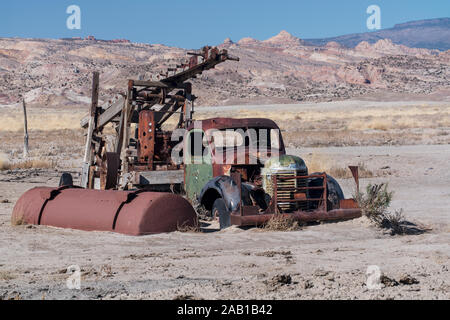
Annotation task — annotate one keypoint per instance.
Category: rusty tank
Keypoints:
(128, 212)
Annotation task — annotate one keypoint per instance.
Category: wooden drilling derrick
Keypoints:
(143, 157)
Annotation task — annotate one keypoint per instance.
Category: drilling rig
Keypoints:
(142, 158)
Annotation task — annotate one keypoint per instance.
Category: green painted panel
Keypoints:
(198, 168)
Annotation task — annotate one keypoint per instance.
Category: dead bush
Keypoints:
(202, 212)
(189, 229)
(375, 204)
(281, 222)
(18, 222)
(394, 221)
(4, 162)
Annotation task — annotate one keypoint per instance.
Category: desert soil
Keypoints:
(404, 144)
(324, 261)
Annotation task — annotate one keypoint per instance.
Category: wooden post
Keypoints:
(88, 152)
(126, 127)
(25, 123)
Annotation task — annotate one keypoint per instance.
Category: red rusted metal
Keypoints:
(221, 160)
(127, 212)
(147, 129)
(348, 208)
(232, 123)
(355, 173)
(275, 195)
(109, 170)
(322, 200)
(302, 216)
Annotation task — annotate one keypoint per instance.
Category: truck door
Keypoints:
(198, 164)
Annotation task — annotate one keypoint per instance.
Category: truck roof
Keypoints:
(225, 123)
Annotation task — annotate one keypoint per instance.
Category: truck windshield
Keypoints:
(261, 138)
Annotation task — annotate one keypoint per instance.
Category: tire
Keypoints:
(220, 210)
(334, 192)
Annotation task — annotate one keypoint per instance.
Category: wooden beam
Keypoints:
(108, 115)
(159, 84)
(25, 127)
(156, 84)
(88, 152)
(126, 113)
(161, 177)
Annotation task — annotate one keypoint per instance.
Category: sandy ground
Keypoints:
(324, 261)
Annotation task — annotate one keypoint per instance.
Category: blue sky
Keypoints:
(191, 24)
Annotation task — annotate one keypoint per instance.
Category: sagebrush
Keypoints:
(375, 205)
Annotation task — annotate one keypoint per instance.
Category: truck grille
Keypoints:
(289, 186)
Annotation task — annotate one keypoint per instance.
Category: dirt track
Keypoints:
(324, 261)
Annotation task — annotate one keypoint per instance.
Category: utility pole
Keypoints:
(25, 124)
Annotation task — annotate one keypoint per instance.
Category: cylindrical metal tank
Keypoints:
(127, 212)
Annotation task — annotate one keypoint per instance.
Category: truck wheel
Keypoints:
(220, 210)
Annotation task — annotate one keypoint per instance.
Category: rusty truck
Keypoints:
(149, 179)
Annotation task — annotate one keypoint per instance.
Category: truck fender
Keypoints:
(334, 190)
(223, 187)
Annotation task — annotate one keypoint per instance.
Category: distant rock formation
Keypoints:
(248, 41)
(228, 41)
(284, 39)
(428, 34)
(280, 69)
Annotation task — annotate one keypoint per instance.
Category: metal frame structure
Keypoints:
(149, 104)
(249, 215)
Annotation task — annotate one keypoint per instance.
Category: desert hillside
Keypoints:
(429, 33)
(282, 69)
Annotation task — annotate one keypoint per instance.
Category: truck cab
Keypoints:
(221, 146)
(239, 171)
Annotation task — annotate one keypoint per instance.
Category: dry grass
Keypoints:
(346, 126)
(28, 164)
(6, 275)
(41, 119)
(281, 222)
(318, 162)
(400, 122)
(361, 119)
(48, 149)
